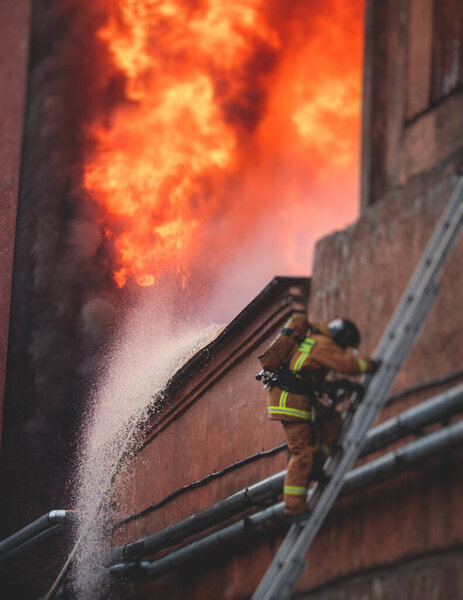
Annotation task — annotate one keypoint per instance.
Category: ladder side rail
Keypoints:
(441, 242)
(437, 250)
(439, 246)
(387, 374)
(379, 389)
(284, 548)
(286, 545)
(374, 399)
(433, 265)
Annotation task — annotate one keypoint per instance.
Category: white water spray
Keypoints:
(149, 351)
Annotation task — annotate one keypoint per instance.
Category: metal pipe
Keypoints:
(441, 407)
(35, 528)
(280, 448)
(266, 489)
(405, 457)
(196, 484)
(438, 408)
(426, 385)
(375, 471)
(41, 537)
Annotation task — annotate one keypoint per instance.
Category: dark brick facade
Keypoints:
(413, 93)
(14, 47)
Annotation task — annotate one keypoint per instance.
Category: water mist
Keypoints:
(151, 348)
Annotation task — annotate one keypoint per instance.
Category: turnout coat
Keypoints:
(313, 358)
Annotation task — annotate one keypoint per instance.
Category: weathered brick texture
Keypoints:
(14, 46)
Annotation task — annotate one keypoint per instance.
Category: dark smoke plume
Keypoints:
(64, 301)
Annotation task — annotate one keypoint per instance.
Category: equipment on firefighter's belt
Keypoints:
(287, 341)
(265, 377)
(286, 380)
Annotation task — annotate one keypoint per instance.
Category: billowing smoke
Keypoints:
(72, 300)
(64, 304)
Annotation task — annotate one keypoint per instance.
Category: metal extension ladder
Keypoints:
(287, 566)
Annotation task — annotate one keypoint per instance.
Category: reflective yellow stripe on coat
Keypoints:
(305, 348)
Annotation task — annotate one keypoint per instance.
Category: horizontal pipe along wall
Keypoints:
(408, 456)
(439, 408)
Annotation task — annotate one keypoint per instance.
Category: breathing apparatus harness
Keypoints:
(286, 380)
(333, 392)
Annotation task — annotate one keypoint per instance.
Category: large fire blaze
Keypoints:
(235, 115)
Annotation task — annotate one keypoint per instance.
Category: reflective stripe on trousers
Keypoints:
(284, 411)
(295, 490)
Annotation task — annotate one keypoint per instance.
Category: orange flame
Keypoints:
(232, 109)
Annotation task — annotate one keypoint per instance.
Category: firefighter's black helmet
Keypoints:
(344, 333)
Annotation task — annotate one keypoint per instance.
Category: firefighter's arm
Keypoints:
(346, 362)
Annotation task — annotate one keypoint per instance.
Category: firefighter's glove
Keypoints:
(376, 365)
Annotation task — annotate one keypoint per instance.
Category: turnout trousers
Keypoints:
(309, 445)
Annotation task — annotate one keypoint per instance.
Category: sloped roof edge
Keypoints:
(274, 288)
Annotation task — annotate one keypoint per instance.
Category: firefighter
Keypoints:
(312, 428)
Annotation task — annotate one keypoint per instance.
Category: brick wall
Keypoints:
(14, 48)
(413, 92)
(362, 272)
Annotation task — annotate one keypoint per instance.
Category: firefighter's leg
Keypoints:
(329, 427)
(300, 440)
